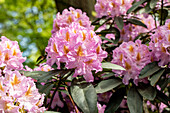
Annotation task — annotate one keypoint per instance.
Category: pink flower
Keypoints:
(133, 57)
(19, 93)
(10, 54)
(79, 48)
(160, 44)
(112, 8)
(101, 108)
(69, 16)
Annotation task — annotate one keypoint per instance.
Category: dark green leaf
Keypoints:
(149, 70)
(48, 75)
(46, 88)
(164, 14)
(164, 85)
(35, 74)
(134, 101)
(135, 6)
(103, 38)
(155, 77)
(84, 95)
(107, 85)
(96, 27)
(112, 30)
(153, 3)
(136, 22)
(147, 91)
(163, 98)
(108, 75)
(115, 100)
(119, 22)
(117, 34)
(109, 65)
(97, 20)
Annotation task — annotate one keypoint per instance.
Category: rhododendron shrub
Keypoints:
(118, 63)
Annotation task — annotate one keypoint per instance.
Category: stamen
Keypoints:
(131, 48)
(66, 50)
(67, 36)
(80, 51)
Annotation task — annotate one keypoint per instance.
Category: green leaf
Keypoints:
(135, 6)
(119, 22)
(153, 3)
(108, 75)
(134, 101)
(147, 91)
(149, 70)
(115, 100)
(117, 34)
(136, 22)
(103, 38)
(164, 14)
(109, 65)
(42, 76)
(163, 98)
(164, 85)
(155, 77)
(46, 88)
(107, 85)
(84, 95)
(35, 74)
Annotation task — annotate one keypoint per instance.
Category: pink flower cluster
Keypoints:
(112, 8)
(67, 17)
(79, 48)
(19, 94)
(160, 44)
(131, 31)
(10, 54)
(133, 56)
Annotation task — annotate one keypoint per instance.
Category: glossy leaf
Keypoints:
(155, 77)
(117, 34)
(136, 22)
(35, 74)
(149, 70)
(115, 100)
(107, 85)
(134, 101)
(108, 75)
(135, 6)
(46, 88)
(109, 65)
(164, 13)
(119, 22)
(147, 91)
(84, 95)
(102, 37)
